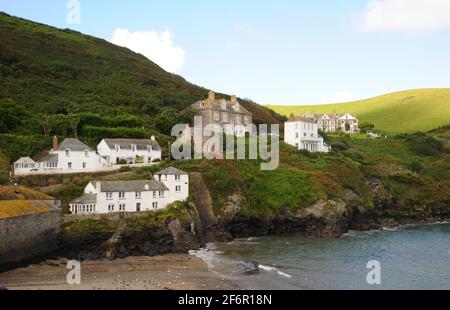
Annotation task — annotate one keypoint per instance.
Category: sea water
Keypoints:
(415, 257)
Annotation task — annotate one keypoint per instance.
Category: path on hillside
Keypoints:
(203, 201)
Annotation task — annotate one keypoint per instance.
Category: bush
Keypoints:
(416, 167)
(427, 146)
(3, 179)
(339, 146)
(122, 162)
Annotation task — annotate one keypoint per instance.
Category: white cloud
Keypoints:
(407, 15)
(155, 45)
(338, 97)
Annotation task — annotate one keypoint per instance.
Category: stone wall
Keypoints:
(29, 237)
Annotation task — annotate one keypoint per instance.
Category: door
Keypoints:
(138, 207)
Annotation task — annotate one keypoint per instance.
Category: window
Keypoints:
(238, 119)
(154, 194)
(177, 177)
(133, 148)
(216, 116)
(69, 165)
(117, 148)
(121, 195)
(161, 193)
(86, 153)
(246, 120)
(84, 165)
(225, 117)
(178, 189)
(138, 195)
(149, 149)
(296, 135)
(122, 207)
(155, 205)
(67, 152)
(108, 195)
(110, 208)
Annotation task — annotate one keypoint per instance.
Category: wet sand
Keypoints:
(168, 272)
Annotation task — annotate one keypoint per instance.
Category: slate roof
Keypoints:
(302, 119)
(126, 144)
(73, 145)
(219, 105)
(171, 171)
(86, 199)
(130, 186)
(50, 158)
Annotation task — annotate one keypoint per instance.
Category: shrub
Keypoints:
(339, 146)
(3, 179)
(415, 166)
(122, 162)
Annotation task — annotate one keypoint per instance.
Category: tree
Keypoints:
(73, 121)
(12, 115)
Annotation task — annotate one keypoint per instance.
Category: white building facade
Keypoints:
(130, 151)
(101, 197)
(304, 135)
(332, 123)
(71, 156)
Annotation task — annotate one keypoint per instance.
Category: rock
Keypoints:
(233, 205)
(248, 268)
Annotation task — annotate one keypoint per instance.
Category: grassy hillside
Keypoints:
(62, 82)
(405, 111)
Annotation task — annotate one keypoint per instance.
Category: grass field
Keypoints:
(405, 111)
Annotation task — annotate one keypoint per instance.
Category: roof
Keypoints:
(24, 160)
(222, 105)
(86, 199)
(141, 144)
(73, 145)
(347, 116)
(301, 119)
(50, 158)
(171, 171)
(15, 208)
(130, 186)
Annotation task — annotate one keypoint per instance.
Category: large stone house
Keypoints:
(102, 197)
(71, 156)
(332, 123)
(303, 133)
(131, 151)
(229, 114)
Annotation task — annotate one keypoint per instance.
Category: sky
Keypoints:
(285, 52)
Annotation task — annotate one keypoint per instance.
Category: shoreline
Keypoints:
(168, 272)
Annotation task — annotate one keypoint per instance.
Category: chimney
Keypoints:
(98, 187)
(153, 138)
(211, 97)
(233, 100)
(55, 143)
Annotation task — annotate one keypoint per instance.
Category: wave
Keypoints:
(267, 268)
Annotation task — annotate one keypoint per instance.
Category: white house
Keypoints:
(304, 135)
(132, 151)
(332, 123)
(177, 182)
(102, 197)
(71, 156)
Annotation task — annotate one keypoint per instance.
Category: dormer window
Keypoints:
(86, 153)
(67, 152)
(149, 148)
(133, 147)
(117, 148)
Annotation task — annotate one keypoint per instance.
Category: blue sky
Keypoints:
(275, 52)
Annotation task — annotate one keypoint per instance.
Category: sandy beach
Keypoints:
(168, 272)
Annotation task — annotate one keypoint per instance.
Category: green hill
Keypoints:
(50, 77)
(405, 111)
